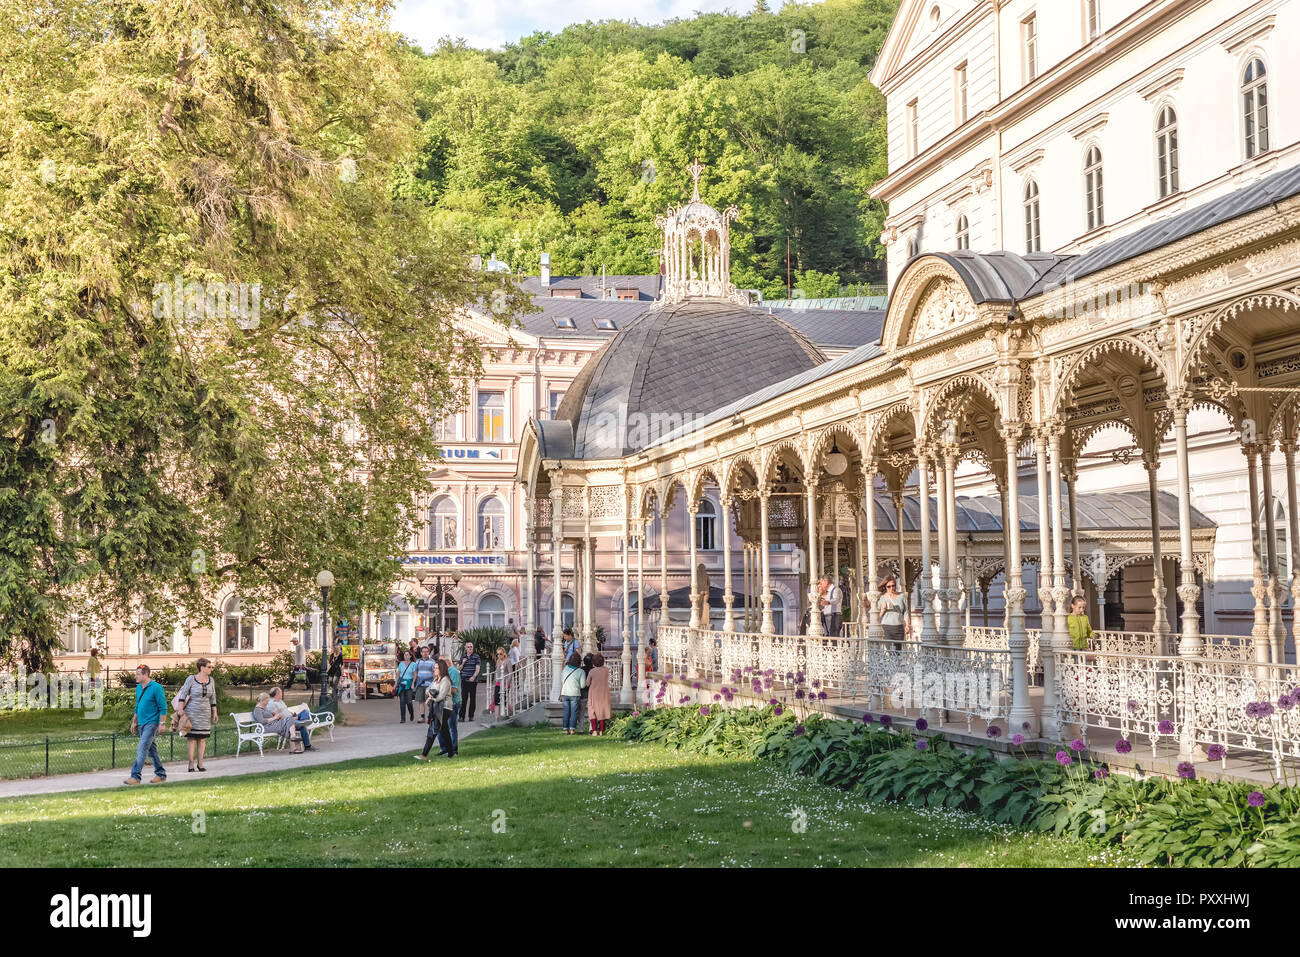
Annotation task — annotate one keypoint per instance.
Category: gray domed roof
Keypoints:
(665, 368)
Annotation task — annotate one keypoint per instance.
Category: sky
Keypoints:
(490, 24)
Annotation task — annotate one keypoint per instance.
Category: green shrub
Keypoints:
(1181, 823)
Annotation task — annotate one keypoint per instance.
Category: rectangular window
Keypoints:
(913, 138)
(959, 93)
(1029, 44)
(491, 416)
(447, 429)
(553, 402)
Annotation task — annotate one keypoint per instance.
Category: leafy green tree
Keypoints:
(225, 308)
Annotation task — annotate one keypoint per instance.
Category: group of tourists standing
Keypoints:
(584, 689)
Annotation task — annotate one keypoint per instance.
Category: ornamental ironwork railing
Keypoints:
(1166, 699)
(830, 661)
(940, 681)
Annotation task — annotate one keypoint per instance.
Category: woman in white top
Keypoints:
(894, 619)
(440, 703)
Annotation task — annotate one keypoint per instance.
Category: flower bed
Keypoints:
(1186, 822)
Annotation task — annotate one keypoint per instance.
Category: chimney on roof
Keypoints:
(546, 270)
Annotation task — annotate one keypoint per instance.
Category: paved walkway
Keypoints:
(372, 730)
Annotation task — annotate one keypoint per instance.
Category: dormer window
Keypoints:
(564, 322)
(608, 325)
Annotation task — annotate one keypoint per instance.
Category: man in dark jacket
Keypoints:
(469, 668)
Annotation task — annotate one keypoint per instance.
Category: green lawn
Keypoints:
(78, 743)
(554, 801)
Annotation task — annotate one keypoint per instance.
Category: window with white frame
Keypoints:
(444, 524)
(959, 94)
(1167, 151)
(913, 248)
(1029, 47)
(1033, 230)
(238, 631)
(74, 637)
(1282, 537)
(395, 620)
(566, 612)
(491, 416)
(491, 611)
(1254, 107)
(706, 523)
(309, 628)
(1091, 20)
(447, 429)
(963, 232)
(491, 524)
(913, 130)
(1094, 200)
(553, 400)
(778, 614)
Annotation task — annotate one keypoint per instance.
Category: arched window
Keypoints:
(443, 524)
(1033, 231)
(566, 613)
(913, 248)
(491, 524)
(778, 614)
(1092, 189)
(1254, 107)
(395, 621)
(1167, 151)
(309, 628)
(492, 611)
(239, 631)
(963, 232)
(706, 519)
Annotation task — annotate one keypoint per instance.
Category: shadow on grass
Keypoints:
(521, 797)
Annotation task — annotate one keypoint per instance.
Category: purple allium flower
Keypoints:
(817, 683)
(1017, 739)
(1265, 709)
(1025, 726)
(993, 731)
(717, 697)
(922, 744)
(1216, 752)
(922, 724)
(1165, 727)
(1101, 774)
(685, 698)
(778, 711)
(1063, 759)
(773, 702)
(1255, 799)
(1252, 709)
(1076, 744)
(1187, 770)
(798, 694)
(867, 719)
(799, 729)
(1132, 706)
(704, 710)
(886, 720)
(821, 696)
(1285, 702)
(696, 686)
(1123, 746)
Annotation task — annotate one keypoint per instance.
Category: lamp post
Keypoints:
(326, 581)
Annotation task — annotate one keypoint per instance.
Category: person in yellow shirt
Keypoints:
(93, 667)
(1079, 626)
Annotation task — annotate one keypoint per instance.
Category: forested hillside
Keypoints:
(571, 143)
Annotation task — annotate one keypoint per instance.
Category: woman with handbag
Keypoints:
(196, 706)
(405, 682)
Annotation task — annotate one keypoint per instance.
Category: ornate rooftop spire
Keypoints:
(697, 248)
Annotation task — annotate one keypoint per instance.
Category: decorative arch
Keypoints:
(832, 435)
(1196, 347)
(772, 458)
(891, 414)
(1080, 362)
(967, 380)
(929, 297)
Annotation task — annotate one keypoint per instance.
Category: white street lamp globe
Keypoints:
(836, 463)
(325, 579)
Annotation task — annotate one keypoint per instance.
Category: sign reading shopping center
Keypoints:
(462, 559)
